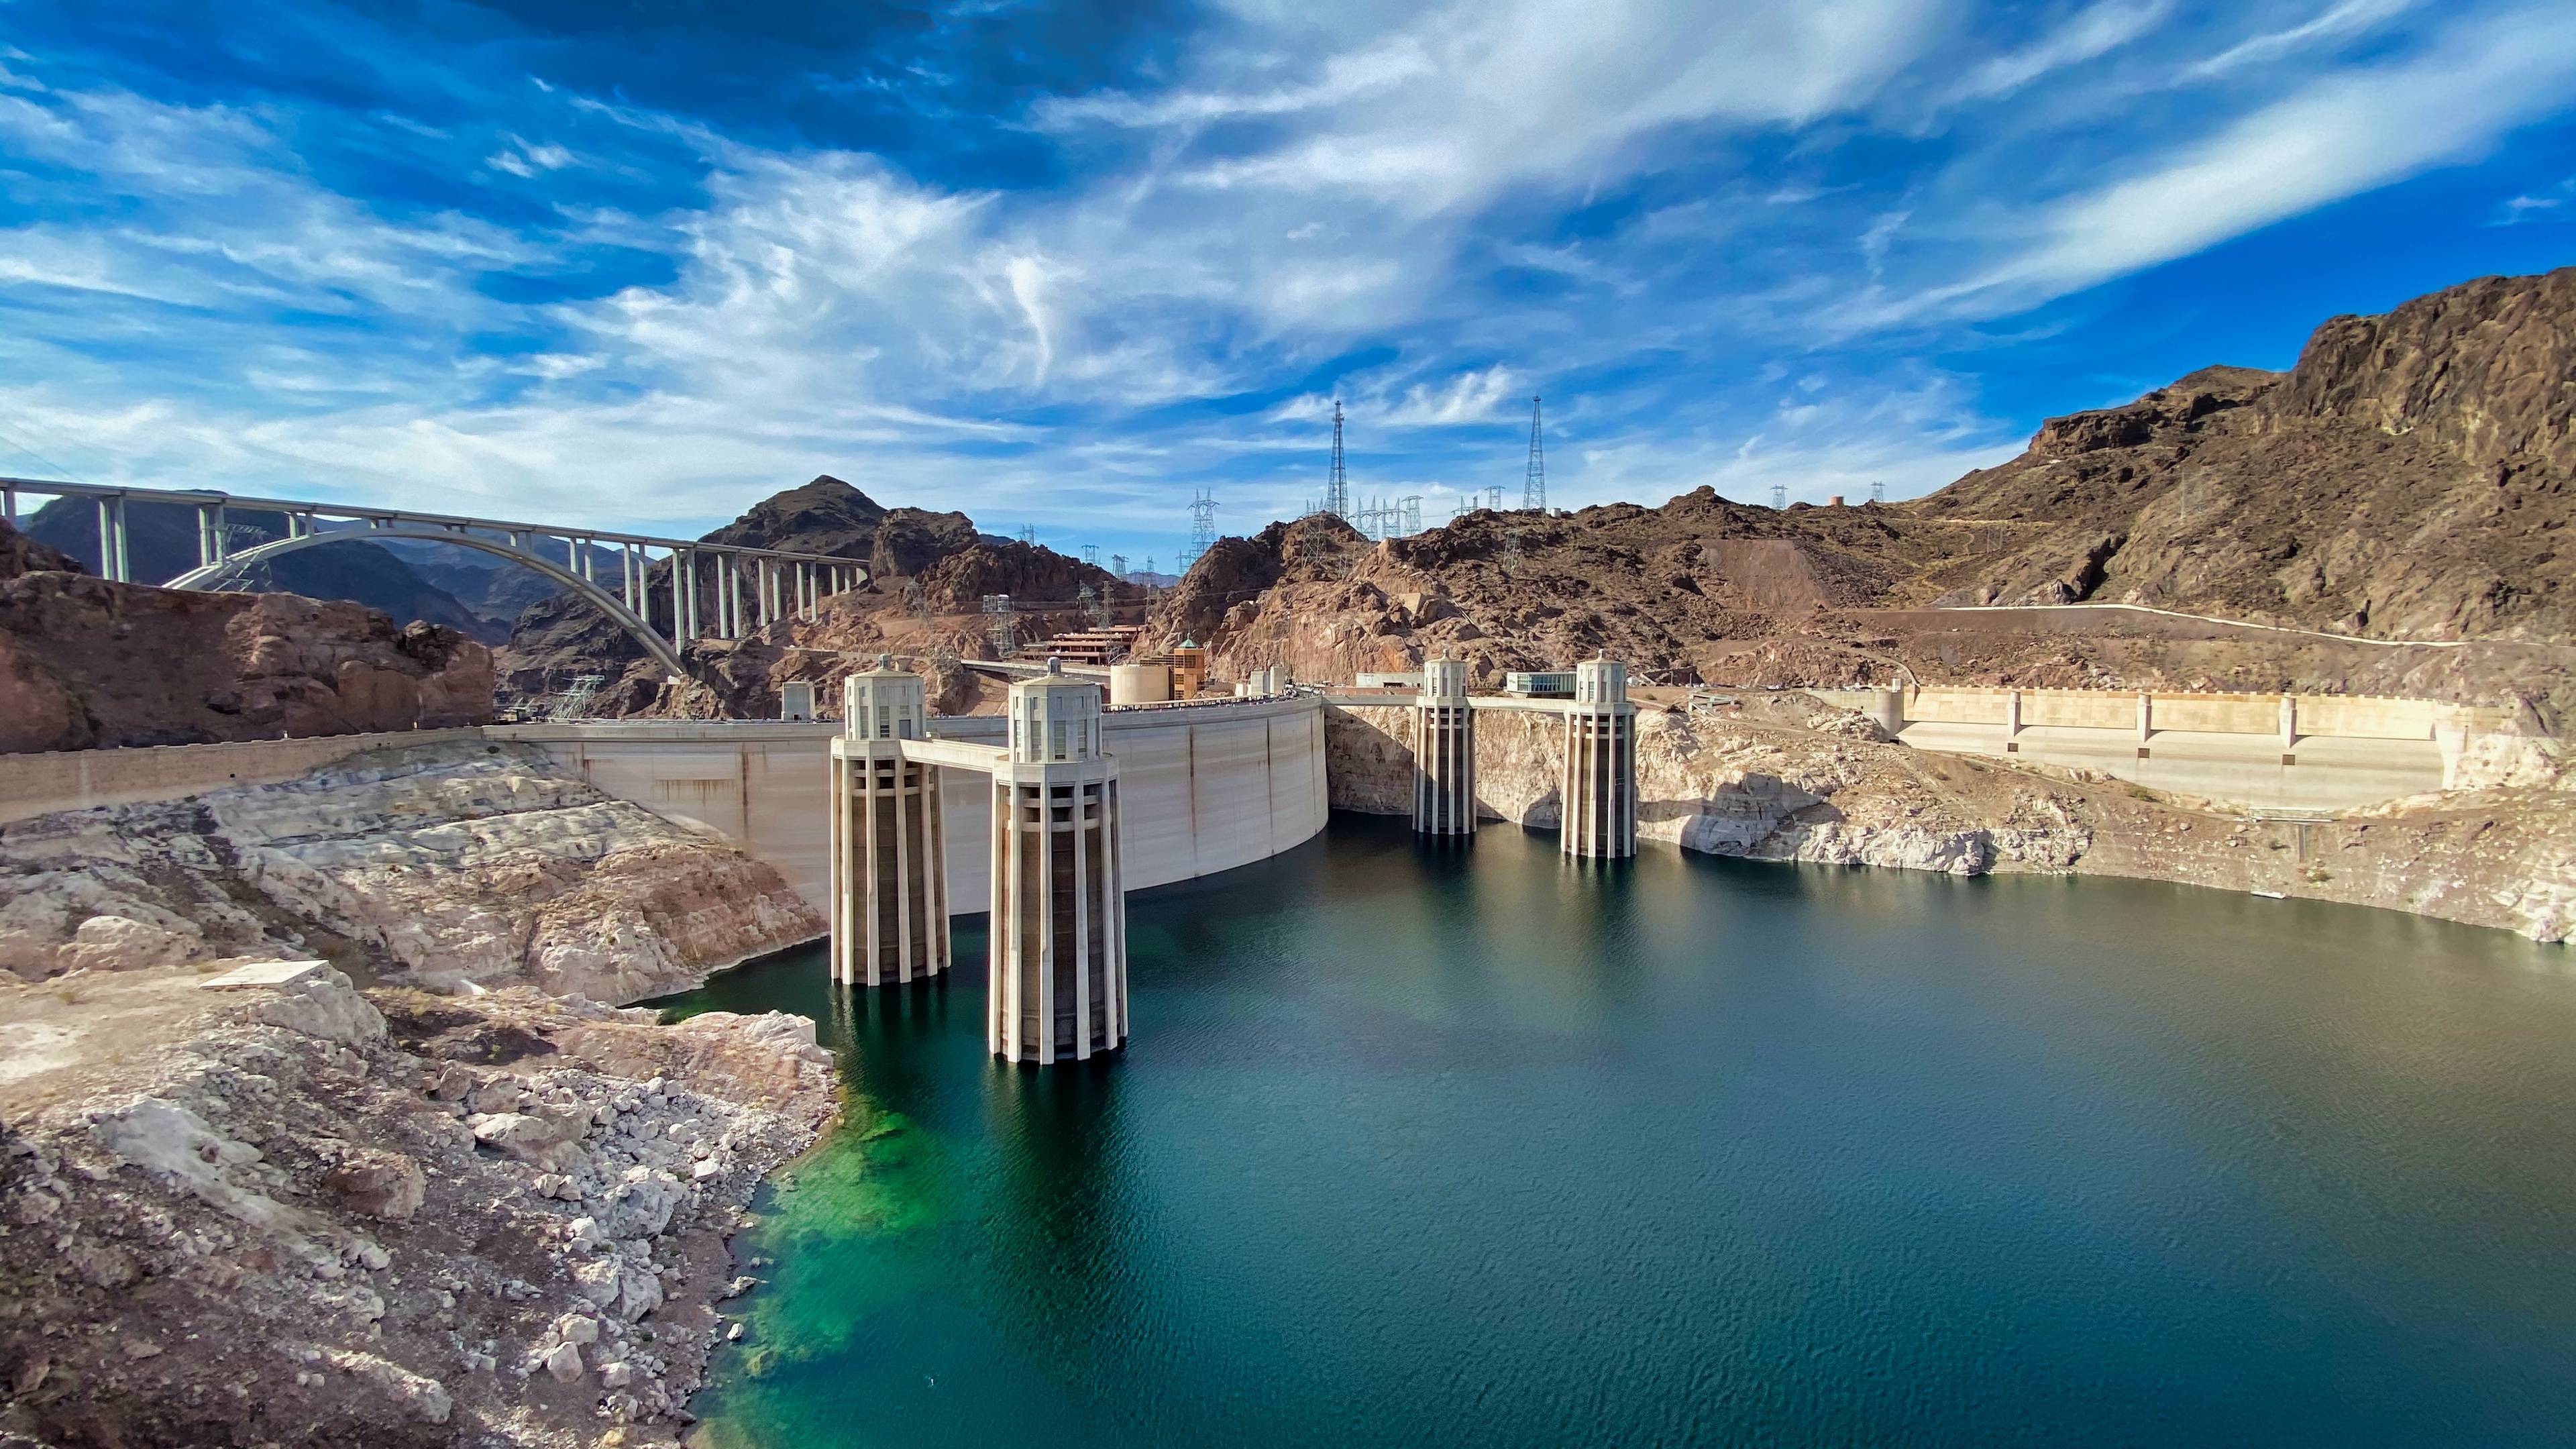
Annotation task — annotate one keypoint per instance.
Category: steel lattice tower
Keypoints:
(1202, 527)
(1534, 483)
(1337, 488)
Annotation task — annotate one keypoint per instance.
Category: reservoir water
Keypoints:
(1423, 1146)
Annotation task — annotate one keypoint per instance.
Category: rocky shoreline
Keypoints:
(440, 1196)
(317, 1215)
(1793, 779)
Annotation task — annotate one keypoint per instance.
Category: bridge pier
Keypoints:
(1598, 794)
(111, 541)
(1444, 752)
(1059, 918)
(888, 842)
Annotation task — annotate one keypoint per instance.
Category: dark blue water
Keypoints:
(1467, 1146)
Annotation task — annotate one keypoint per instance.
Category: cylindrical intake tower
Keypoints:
(888, 845)
(1059, 931)
(1599, 791)
(1444, 752)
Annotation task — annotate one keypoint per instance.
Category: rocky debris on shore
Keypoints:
(458, 865)
(317, 1215)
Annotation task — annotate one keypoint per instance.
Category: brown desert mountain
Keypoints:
(929, 575)
(2408, 480)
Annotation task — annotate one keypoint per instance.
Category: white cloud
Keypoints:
(1470, 397)
(2095, 31)
(2349, 133)
(2343, 19)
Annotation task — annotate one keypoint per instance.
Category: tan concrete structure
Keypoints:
(889, 884)
(1599, 794)
(40, 784)
(1444, 752)
(1059, 918)
(1139, 684)
(2265, 751)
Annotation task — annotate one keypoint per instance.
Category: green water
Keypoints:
(1467, 1146)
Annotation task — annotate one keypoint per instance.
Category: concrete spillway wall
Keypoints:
(1202, 788)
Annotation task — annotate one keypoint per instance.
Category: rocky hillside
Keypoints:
(929, 575)
(437, 864)
(2413, 477)
(87, 664)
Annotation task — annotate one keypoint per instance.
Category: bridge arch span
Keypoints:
(601, 599)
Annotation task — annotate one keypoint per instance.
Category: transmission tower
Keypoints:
(1412, 513)
(1091, 554)
(1202, 528)
(1877, 491)
(1093, 608)
(1337, 488)
(1494, 498)
(1779, 495)
(1118, 567)
(997, 625)
(1534, 483)
(574, 703)
(1028, 533)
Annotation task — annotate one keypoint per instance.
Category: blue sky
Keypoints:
(1063, 264)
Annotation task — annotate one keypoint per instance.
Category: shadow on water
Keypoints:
(1449, 1141)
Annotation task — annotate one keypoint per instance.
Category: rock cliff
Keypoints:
(312, 1215)
(87, 664)
(440, 864)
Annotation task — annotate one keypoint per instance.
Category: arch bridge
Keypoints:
(717, 590)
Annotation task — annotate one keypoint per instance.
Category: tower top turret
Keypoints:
(1055, 717)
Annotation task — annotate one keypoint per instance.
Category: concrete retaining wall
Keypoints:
(41, 784)
(2328, 716)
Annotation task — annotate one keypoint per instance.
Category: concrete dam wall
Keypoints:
(1203, 787)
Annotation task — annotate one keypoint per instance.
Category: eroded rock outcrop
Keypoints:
(462, 862)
